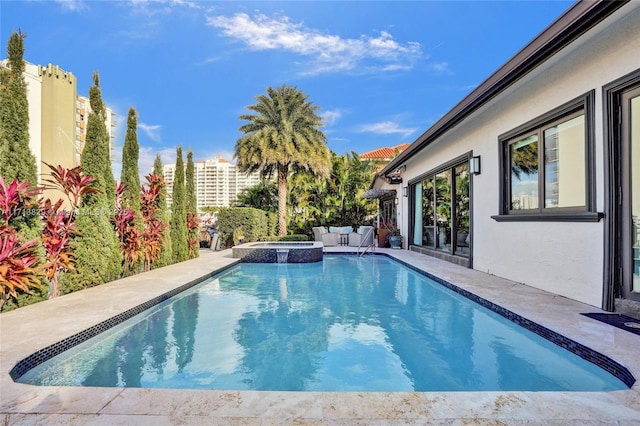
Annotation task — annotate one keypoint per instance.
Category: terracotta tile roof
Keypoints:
(384, 153)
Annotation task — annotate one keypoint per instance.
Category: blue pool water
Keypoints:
(345, 324)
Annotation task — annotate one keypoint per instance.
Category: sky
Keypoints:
(381, 72)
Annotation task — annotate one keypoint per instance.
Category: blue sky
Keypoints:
(381, 72)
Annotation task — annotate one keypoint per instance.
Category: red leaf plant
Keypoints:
(154, 227)
(72, 182)
(58, 230)
(18, 262)
(193, 224)
(15, 197)
(59, 226)
(128, 233)
(18, 270)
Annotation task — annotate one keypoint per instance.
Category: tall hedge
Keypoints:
(252, 222)
(192, 201)
(166, 257)
(97, 247)
(179, 234)
(130, 174)
(16, 159)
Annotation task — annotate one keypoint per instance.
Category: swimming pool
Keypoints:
(348, 323)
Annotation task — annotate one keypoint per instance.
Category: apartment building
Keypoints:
(217, 182)
(83, 108)
(57, 116)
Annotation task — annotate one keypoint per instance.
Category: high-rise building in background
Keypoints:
(217, 182)
(83, 108)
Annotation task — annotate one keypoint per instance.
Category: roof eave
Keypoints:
(575, 21)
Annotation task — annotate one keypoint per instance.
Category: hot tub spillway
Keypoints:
(279, 252)
(282, 255)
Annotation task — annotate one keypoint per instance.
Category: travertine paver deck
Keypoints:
(24, 331)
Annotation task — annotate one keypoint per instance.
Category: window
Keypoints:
(442, 210)
(547, 166)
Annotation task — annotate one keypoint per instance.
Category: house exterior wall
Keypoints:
(566, 258)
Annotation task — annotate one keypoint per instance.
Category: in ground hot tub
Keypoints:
(279, 252)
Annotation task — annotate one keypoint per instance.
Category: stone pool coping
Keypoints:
(26, 330)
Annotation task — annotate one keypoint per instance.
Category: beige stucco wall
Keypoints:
(562, 257)
(58, 118)
(34, 98)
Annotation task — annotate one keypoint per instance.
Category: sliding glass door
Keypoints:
(441, 210)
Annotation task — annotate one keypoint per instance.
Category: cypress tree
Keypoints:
(166, 257)
(97, 247)
(179, 234)
(192, 203)
(130, 175)
(130, 153)
(17, 161)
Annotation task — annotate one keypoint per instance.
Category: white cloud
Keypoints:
(146, 157)
(73, 5)
(440, 68)
(151, 130)
(116, 161)
(331, 116)
(386, 128)
(328, 53)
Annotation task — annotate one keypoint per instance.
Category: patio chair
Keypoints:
(362, 238)
(329, 239)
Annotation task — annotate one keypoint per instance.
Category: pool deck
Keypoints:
(26, 330)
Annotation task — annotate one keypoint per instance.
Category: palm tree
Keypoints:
(283, 137)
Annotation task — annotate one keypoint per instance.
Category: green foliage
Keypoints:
(96, 158)
(129, 235)
(179, 232)
(130, 175)
(238, 236)
(263, 196)
(59, 226)
(252, 223)
(323, 202)
(293, 237)
(19, 271)
(16, 162)
(192, 207)
(272, 224)
(154, 227)
(282, 137)
(97, 249)
(96, 233)
(165, 257)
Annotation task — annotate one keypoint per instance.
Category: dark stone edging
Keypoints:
(57, 348)
(588, 354)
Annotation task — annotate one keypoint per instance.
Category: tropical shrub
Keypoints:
(128, 233)
(18, 261)
(59, 225)
(154, 227)
(252, 222)
(193, 225)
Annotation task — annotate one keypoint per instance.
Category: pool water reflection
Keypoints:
(348, 323)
